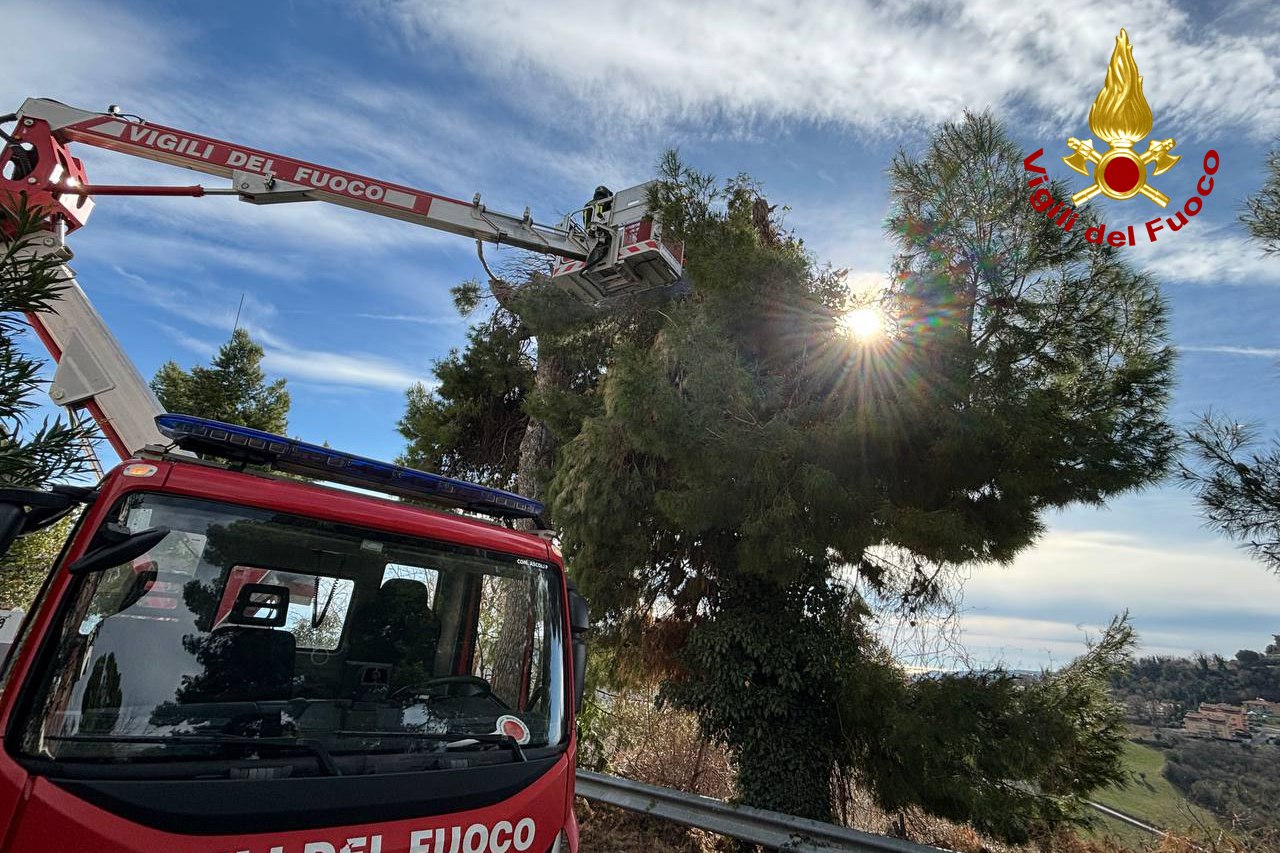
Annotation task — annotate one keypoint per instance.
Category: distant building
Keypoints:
(1261, 706)
(1215, 720)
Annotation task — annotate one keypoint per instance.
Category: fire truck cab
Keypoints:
(229, 658)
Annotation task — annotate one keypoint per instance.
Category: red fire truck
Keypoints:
(231, 656)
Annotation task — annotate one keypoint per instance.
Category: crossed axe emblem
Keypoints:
(1120, 173)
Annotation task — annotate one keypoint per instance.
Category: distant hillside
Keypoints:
(1149, 797)
(1159, 690)
(1240, 783)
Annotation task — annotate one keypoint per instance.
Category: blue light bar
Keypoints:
(244, 444)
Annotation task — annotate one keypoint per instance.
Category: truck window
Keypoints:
(317, 609)
(427, 577)
(507, 634)
(382, 650)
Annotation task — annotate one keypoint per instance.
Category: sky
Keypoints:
(537, 103)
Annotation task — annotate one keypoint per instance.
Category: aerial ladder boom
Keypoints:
(611, 249)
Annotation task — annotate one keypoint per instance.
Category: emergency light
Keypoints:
(244, 444)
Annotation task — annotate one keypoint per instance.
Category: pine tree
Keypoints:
(742, 452)
(1236, 481)
(724, 460)
(233, 389)
(471, 424)
(1233, 472)
(1262, 211)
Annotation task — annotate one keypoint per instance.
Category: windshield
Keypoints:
(254, 644)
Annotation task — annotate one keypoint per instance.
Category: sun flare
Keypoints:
(863, 324)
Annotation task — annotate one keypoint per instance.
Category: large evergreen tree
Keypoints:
(232, 389)
(743, 452)
(472, 423)
(725, 460)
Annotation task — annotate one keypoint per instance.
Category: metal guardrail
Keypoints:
(771, 830)
(1124, 818)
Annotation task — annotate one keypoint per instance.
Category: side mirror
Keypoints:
(12, 517)
(25, 510)
(116, 545)
(579, 621)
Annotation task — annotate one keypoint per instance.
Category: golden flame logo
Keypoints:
(1121, 117)
(1120, 113)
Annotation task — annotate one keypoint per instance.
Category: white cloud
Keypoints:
(210, 307)
(200, 346)
(361, 370)
(83, 52)
(1207, 255)
(414, 318)
(1256, 352)
(861, 64)
(1183, 595)
(1022, 643)
(216, 309)
(1104, 567)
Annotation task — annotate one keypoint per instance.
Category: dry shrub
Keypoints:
(635, 739)
(661, 746)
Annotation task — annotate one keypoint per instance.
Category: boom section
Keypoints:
(261, 177)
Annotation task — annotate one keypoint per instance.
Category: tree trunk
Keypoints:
(537, 455)
(538, 446)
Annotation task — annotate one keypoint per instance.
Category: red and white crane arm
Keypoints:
(620, 251)
(260, 177)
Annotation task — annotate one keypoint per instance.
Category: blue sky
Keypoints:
(535, 104)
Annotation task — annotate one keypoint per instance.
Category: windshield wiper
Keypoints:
(487, 737)
(322, 756)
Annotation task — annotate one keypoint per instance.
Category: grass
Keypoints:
(1149, 797)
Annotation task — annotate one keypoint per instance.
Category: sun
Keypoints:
(863, 324)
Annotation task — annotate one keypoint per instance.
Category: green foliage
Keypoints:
(1049, 353)
(233, 389)
(726, 459)
(470, 425)
(1009, 755)
(31, 455)
(1159, 690)
(764, 678)
(1262, 210)
(745, 451)
(1239, 783)
(28, 563)
(1236, 481)
(1235, 477)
